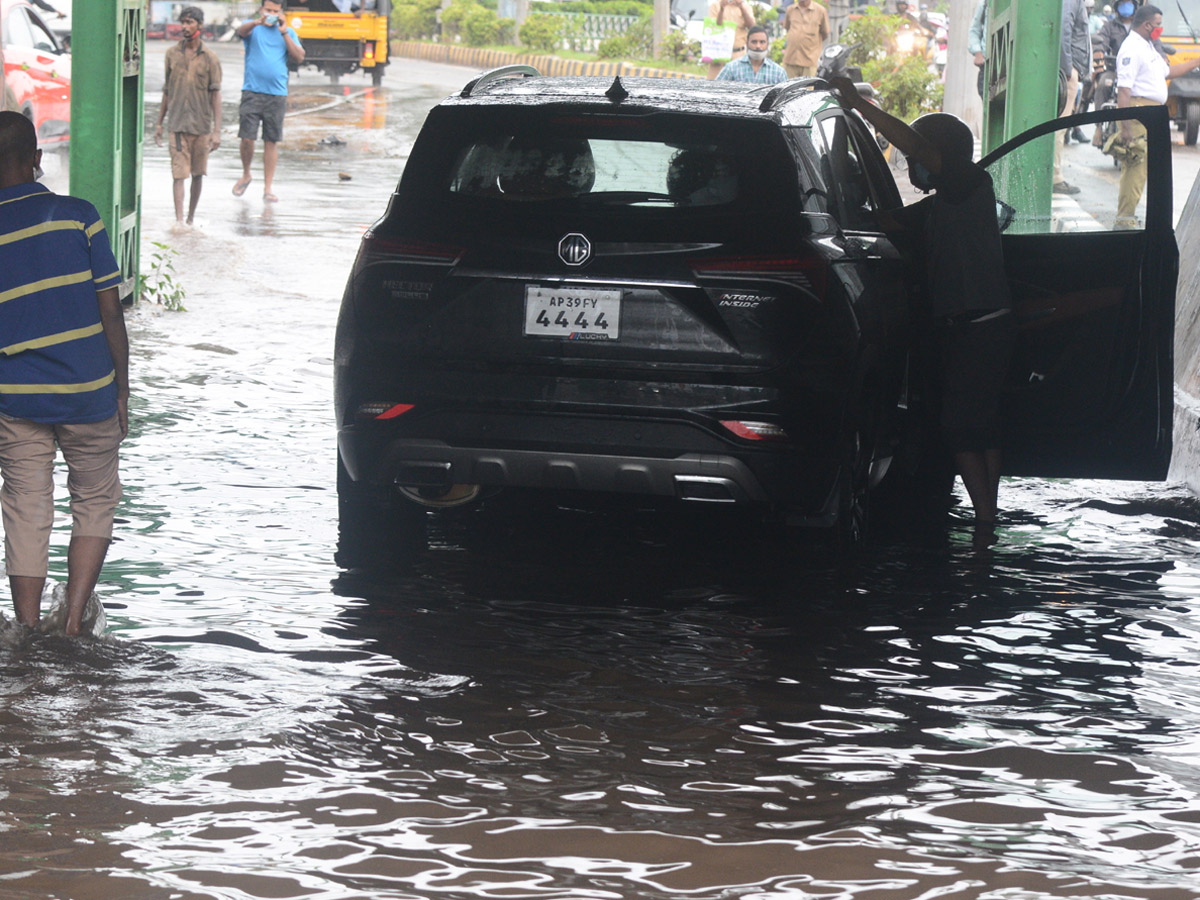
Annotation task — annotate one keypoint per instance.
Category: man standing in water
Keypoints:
(269, 44)
(64, 376)
(967, 286)
(192, 93)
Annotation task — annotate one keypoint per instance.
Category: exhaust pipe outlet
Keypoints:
(441, 497)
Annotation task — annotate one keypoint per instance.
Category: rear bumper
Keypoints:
(613, 456)
(689, 476)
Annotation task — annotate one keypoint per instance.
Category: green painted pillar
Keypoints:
(1021, 90)
(106, 122)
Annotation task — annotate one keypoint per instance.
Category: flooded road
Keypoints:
(573, 706)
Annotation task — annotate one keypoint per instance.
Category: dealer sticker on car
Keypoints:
(574, 314)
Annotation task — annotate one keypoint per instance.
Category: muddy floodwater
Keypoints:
(564, 706)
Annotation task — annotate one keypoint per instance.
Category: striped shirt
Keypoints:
(55, 366)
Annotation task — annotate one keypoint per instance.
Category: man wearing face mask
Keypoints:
(966, 284)
(1142, 74)
(64, 376)
(754, 67)
(270, 43)
(1113, 32)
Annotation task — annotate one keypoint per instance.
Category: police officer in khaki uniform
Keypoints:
(1142, 74)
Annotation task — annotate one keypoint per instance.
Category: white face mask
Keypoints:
(38, 174)
(757, 55)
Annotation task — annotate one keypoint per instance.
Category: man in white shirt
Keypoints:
(1142, 75)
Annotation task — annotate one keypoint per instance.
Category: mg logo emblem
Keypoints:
(574, 249)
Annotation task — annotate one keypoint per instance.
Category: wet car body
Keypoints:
(762, 349)
(37, 72)
(754, 351)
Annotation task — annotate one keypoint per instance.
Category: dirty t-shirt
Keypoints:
(190, 83)
(960, 234)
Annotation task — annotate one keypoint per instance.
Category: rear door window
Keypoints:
(844, 172)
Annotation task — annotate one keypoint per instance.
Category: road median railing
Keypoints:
(482, 58)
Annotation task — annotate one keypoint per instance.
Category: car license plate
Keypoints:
(573, 314)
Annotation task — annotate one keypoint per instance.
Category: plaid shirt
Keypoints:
(769, 72)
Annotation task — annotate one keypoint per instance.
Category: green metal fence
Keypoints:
(585, 31)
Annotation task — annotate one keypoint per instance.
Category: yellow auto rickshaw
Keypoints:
(341, 36)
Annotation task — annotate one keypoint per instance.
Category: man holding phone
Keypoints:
(269, 43)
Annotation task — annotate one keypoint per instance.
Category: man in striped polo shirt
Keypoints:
(64, 376)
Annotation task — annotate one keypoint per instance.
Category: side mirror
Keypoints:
(1004, 215)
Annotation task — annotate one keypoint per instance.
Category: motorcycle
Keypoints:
(835, 63)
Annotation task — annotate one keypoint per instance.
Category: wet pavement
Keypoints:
(572, 705)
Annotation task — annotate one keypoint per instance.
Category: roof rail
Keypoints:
(782, 93)
(493, 75)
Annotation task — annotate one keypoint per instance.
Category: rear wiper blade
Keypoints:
(608, 198)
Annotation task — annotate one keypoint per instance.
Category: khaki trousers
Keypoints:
(800, 71)
(27, 451)
(1133, 173)
(1072, 90)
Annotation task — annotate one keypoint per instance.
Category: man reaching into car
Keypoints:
(967, 287)
(191, 105)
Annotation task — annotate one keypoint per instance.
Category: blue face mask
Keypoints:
(921, 177)
(1125, 10)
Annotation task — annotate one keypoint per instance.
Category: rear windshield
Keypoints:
(521, 168)
(651, 162)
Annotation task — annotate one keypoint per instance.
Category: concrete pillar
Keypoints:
(962, 94)
(660, 22)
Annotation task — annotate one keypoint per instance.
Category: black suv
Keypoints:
(678, 289)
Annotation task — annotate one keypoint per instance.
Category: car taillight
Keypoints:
(755, 431)
(396, 250)
(369, 50)
(382, 410)
(806, 270)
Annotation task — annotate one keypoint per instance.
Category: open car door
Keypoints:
(1090, 391)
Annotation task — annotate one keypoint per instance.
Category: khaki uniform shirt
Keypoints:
(807, 31)
(189, 85)
(733, 16)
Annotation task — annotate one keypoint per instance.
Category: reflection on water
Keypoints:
(572, 705)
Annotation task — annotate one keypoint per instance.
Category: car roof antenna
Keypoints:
(617, 92)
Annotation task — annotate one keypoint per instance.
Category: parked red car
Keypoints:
(37, 71)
